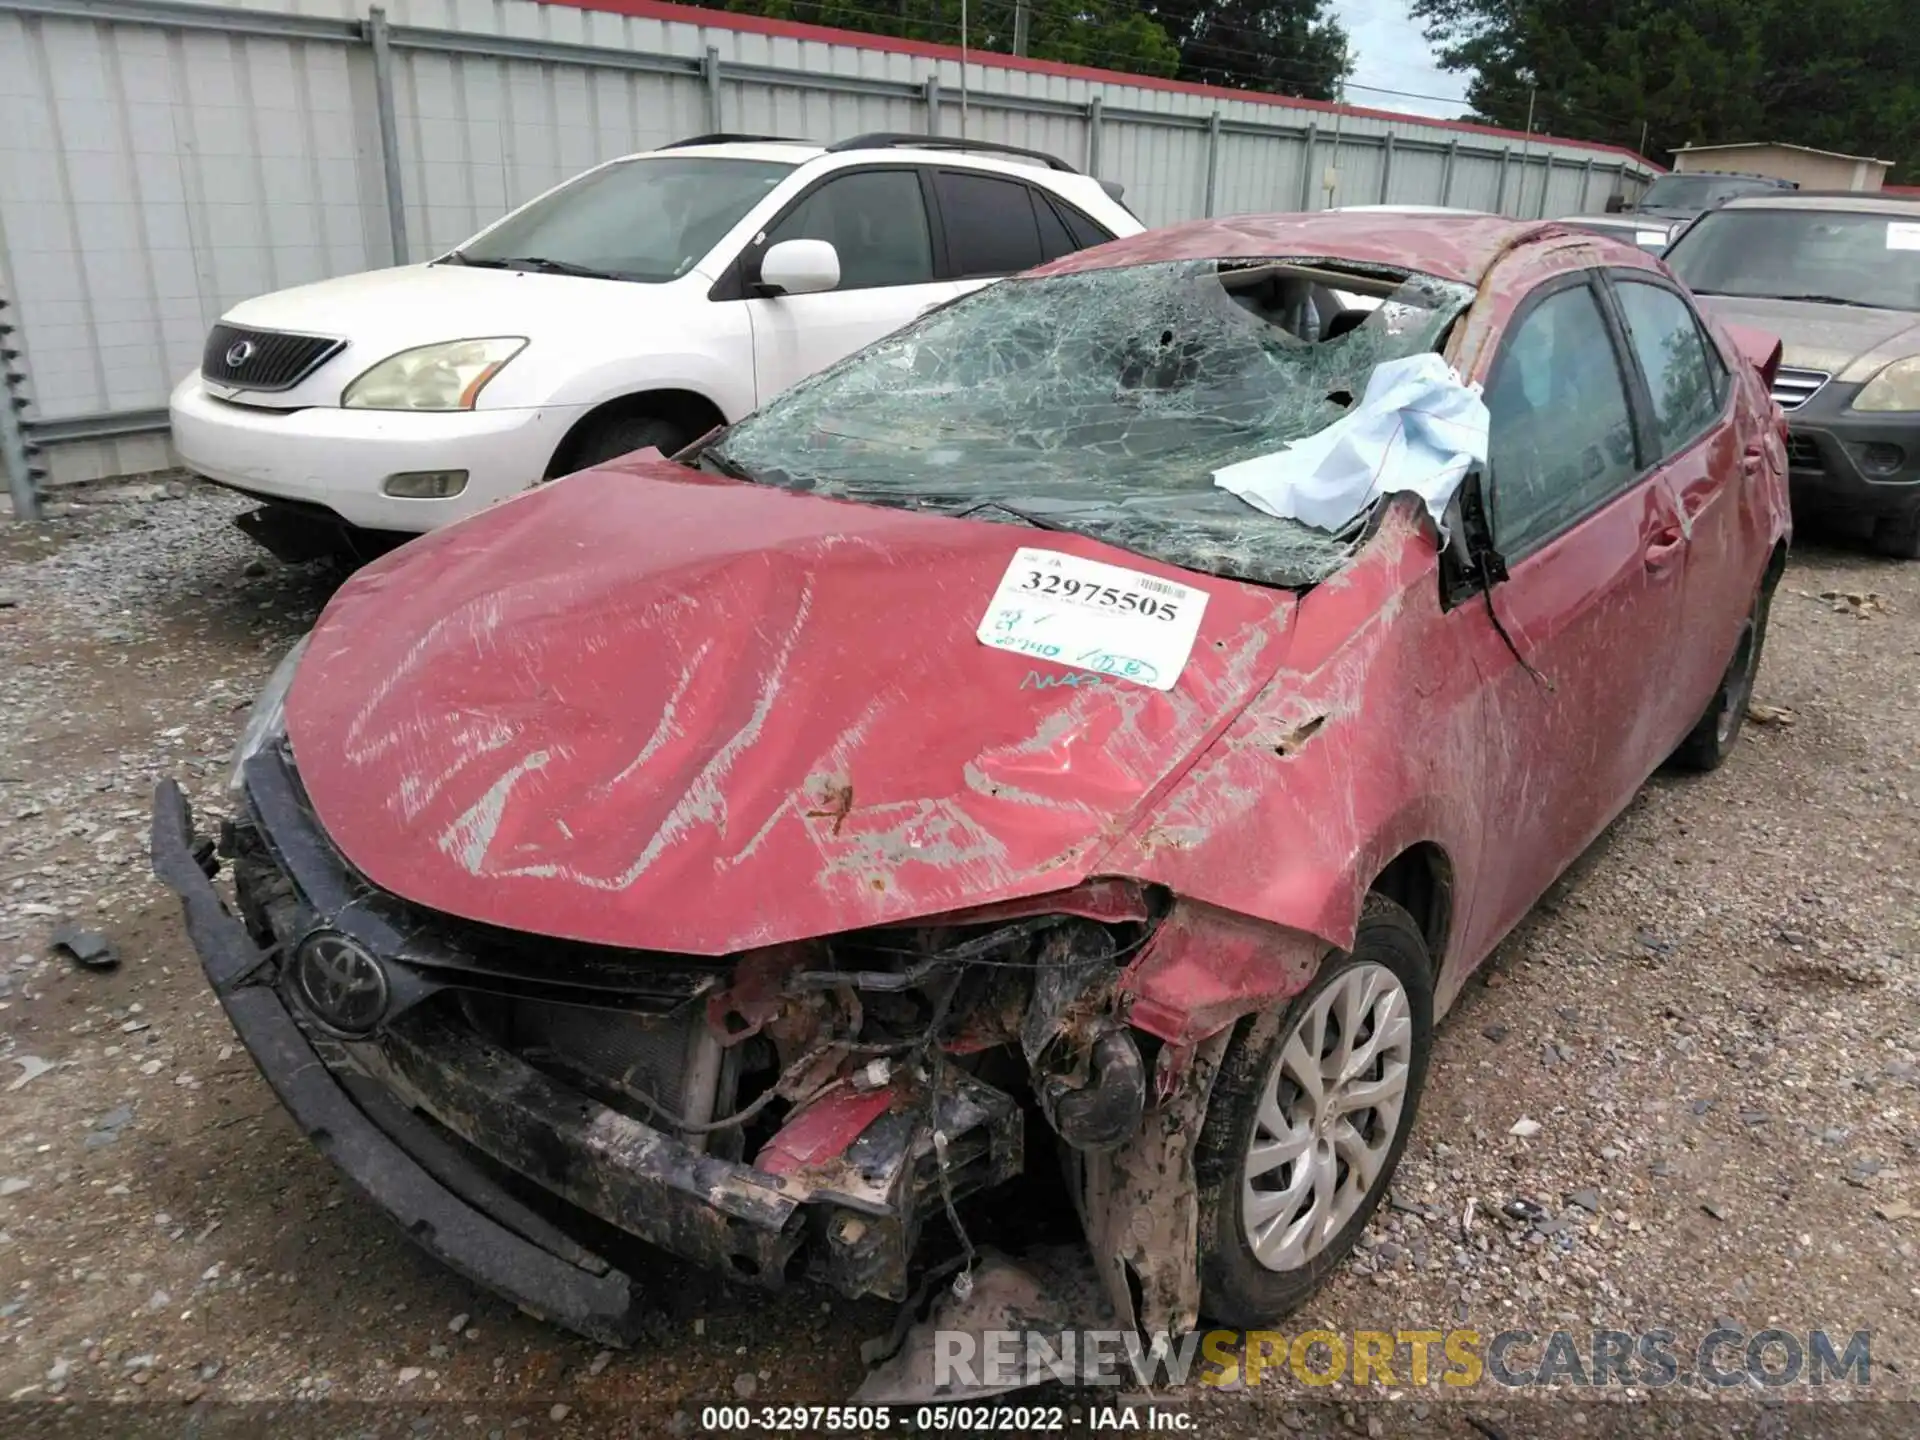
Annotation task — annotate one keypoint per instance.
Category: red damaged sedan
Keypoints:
(947, 773)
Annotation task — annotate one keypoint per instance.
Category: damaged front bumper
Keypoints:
(441, 1124)
(440, 1199)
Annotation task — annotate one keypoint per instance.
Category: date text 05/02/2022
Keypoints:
(970, 1419)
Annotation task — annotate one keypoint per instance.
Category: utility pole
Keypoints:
(1022, 14)
(1526, 154)
(963, 69)
(1331, 180)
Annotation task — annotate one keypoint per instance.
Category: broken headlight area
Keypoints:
(820, 1108)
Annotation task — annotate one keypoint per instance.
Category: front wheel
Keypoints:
(622, 435)
(1310, 1113)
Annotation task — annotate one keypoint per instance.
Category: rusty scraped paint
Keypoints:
(1291, 742)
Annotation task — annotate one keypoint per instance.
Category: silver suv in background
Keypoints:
(1837, 277)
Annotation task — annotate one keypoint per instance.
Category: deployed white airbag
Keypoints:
(1418, 428)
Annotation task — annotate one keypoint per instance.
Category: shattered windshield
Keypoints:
(1103, 401)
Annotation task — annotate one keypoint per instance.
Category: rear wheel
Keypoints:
(1712, 738)
(1898, 536)
(1309, 1116)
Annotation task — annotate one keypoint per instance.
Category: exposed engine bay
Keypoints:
(823, 1108)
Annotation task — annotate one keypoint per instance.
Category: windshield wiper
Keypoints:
(729, 468)
(1015, 511)
(544, 266)
(1827, 300)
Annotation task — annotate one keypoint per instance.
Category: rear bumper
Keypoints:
(455, 1212)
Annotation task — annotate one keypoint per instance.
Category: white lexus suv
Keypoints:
(637, 305)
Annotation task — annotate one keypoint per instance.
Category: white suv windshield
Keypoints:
(648, 219)
(1836, 256)
(1102, 402)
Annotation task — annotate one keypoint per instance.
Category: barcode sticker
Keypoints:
(1092, 616)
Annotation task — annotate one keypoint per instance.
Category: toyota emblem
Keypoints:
(239, 353)
(340, 983)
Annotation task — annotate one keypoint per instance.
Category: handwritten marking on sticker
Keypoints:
(1903, 235)
(1093, 616)
(1036, 681)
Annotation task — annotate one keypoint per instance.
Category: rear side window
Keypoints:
(1683, 373)
(1561, 443)
(991, 229)
(875, 220)
(1085, 232)
(1055, 240)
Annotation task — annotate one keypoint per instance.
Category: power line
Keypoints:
(1253, 82)
(979, 54)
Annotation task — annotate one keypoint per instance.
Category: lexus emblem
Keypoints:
(239, 353)
(340, 983)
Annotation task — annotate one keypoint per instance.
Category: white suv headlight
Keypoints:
(446, 376)
(1895, 388)
(267, 721)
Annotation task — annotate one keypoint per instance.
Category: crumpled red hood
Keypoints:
(648, 708)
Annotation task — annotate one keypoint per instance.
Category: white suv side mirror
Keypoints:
(800, 267)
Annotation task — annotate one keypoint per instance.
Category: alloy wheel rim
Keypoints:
(1329, 1111)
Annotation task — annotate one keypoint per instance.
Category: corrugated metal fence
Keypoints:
(161, 161)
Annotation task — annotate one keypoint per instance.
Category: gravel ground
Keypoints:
(1711, 1023)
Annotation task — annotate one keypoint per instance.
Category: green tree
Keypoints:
(1103, 34)
(1834, 74)
(1287, 47)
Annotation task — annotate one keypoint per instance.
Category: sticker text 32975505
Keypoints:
(1093, 616)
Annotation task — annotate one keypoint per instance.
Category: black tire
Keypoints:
(1717, 731)
(1236, 1287)
(622, 435)
(1898, 536)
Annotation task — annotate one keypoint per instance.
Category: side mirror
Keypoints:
(1470, 564)
(1616, 204)
(799, 267)
(1477, 503)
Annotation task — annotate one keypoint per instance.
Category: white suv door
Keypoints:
(876, 220)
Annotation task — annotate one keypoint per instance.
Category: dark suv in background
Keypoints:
(1676, 199)
(1836, 275)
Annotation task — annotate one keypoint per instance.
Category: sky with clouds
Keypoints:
(1391, 53)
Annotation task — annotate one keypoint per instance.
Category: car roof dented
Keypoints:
(1462, 248)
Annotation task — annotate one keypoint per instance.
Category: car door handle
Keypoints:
(1664, 548)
